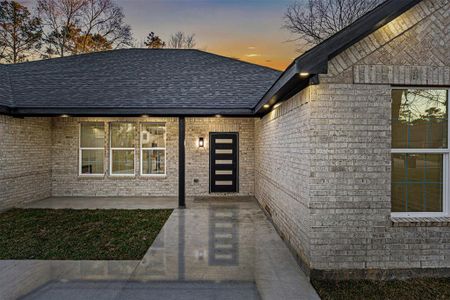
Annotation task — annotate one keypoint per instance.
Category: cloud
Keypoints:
(251, 48)
(252, 55)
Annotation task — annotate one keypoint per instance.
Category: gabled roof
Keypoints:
(137, 81)
(172, 82)
(315, 61)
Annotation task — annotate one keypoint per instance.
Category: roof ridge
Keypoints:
(236, 59)
(144, 49)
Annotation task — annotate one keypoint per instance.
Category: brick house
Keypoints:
(346, 150)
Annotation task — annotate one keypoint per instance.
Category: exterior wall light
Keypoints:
(64, 116)
(276, 105)
(266, 105)
(201, 142)
(304, 74)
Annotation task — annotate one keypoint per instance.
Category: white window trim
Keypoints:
(154, 148)
(446, 165)
(111, 148)
(80, 150)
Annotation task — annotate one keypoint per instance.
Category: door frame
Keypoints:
(211, 133)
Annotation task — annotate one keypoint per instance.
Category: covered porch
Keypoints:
(125, 159)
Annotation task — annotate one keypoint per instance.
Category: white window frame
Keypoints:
(111, 148)
(80, 151)
(152, 148)
(445, 164)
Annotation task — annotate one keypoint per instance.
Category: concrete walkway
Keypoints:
(215, 249)
(105, 203)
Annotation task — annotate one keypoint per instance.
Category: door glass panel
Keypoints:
(224, 172)
(224, 182)
(224, 151)
(223, 162)
(224, 141)
(417, 182)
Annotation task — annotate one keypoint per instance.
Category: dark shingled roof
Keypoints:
(5, 88)
(155, 79)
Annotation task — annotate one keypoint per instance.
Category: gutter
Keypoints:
(135, 111)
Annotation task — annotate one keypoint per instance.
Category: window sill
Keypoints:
(420, 221)
(87, 177)
(121, 176)
(153, 176)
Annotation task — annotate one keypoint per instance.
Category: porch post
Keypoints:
(181, 163)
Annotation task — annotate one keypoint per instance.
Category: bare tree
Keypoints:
(20, 32)
(181, 40)
(104, 19)
(312, 21)
(59, 18)
(80, 26)
(154, 41)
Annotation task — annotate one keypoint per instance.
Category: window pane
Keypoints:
(419, 118)
(122, 161)
(153, 162)
(92, 135)
(122, 135)
(417, 182)
(153, 135)
(92, 162)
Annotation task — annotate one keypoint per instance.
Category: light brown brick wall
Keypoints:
(197, 159)
(25, 160)
(344, 190)
(67, 182)
(282, 169)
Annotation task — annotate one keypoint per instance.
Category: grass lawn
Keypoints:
(79, 234)
(412, 289)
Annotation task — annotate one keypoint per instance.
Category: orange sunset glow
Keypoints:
(248, 30)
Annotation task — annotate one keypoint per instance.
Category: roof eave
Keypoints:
(125, 112)
(315, 61)
(4, 110)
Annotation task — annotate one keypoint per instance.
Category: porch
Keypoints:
(56, 157)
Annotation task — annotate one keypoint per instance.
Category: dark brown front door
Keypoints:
(223, 164)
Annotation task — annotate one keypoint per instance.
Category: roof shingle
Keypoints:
(140, 78)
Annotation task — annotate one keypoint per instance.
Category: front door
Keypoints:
(223, 162)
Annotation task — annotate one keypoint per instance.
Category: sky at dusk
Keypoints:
(249, 30)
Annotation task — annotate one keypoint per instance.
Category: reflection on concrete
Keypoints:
(215, 249)
(223, 235)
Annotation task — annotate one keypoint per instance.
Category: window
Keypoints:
(122, 149)
(420, 152)
(153, 149)
(91, 156)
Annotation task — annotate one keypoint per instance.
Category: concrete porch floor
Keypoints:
(105, 203)
(217, 248)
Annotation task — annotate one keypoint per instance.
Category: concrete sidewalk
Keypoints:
(214, 249)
